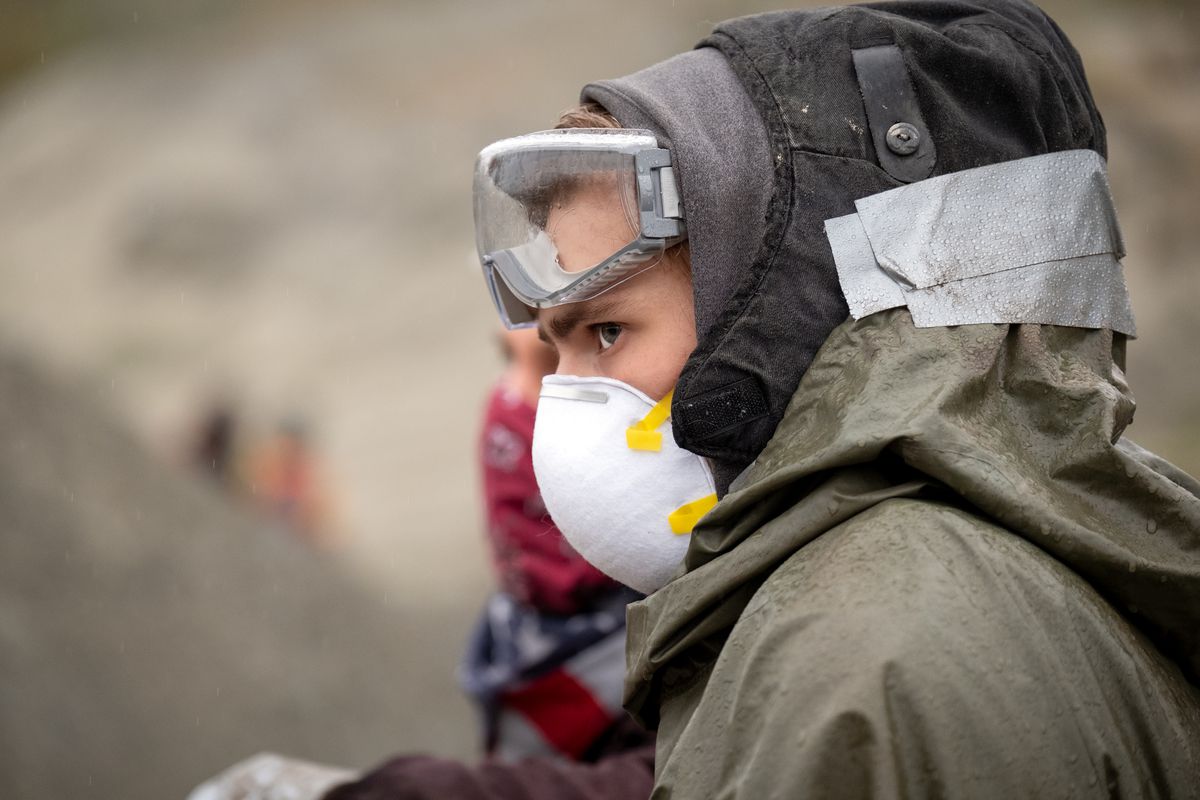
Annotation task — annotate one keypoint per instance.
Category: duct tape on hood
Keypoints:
(1034, 240)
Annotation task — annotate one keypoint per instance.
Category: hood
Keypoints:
(781, 121)
(697, 107)
(1019, 424)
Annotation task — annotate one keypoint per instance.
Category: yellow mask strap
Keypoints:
(684, 518)
(644, 434)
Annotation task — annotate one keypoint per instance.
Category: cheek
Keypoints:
(657, 356)
(660, 378)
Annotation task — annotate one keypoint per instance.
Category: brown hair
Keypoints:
(588, 115)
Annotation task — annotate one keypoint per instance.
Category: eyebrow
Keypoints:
(576, 314)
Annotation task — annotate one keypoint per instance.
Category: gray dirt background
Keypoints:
(271, 201)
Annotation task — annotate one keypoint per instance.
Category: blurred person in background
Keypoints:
(212, 448)
(841, 322)
(546, 661)
(285, 478)
(281, 474)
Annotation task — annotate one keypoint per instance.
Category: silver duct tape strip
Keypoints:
(989, 219)
(1034, 240)
(868, 289)
(1084, 292)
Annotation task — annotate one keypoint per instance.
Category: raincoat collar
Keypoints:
(1020, 424)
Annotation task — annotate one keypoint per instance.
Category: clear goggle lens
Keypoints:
(562, 216)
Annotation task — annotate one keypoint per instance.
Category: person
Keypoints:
(841, 323)
(212, 447)
(533, 564)
(545, 662)
(284, 477)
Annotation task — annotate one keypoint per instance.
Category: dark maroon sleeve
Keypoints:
(627, 776)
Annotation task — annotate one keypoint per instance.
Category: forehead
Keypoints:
(599, 194)
(559, 322)
(589, 224)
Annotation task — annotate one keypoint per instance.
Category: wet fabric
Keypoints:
(994, 80)
(948, 574)
(533, 562)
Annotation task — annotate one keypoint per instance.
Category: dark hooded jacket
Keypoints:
(941, 569)
(777, 124)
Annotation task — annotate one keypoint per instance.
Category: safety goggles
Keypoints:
(563, 216)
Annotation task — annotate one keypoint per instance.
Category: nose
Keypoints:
(574, 364)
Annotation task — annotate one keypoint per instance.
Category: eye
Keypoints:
(607, 333)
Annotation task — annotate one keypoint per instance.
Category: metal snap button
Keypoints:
(903, 139)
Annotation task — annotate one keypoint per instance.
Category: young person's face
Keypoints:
(641, 331)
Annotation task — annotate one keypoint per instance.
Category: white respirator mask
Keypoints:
(616, 484)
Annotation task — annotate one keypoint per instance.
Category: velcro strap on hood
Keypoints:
(1033, 240)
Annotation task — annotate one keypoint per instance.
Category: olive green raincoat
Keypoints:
(947, 575)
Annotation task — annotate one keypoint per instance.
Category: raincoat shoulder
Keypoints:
(948, 574)
(917, 650)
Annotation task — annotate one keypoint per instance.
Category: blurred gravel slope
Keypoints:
(151, 635)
